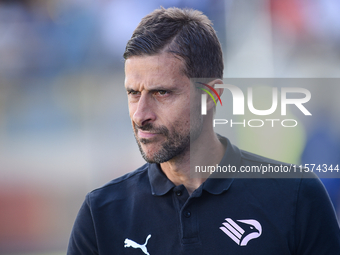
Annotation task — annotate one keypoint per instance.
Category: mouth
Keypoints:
(149, 133)
(146, 134)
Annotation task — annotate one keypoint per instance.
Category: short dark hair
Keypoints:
(186, 33)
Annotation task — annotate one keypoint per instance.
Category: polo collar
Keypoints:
(160, 184)
(215, 184)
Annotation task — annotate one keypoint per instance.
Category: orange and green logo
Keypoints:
(213, 90)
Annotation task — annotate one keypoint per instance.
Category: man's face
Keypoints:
(159, 106)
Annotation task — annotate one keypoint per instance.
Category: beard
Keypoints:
(177, 142)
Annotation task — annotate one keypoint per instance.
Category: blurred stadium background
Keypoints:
(64, 125)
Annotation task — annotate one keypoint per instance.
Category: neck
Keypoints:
(205, 150)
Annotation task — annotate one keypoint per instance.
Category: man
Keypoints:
(159, 208)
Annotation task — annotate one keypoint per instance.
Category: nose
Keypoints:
(144, 112)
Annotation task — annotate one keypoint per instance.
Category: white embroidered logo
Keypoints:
(242, 233)
(133, 244)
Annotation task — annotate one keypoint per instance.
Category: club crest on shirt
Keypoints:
(243, 231)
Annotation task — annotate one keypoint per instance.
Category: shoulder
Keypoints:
(249, 158)
(129, 177)
(122, 187)
(279, 177)
(256, 166)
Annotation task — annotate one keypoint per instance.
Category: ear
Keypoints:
(210, 101)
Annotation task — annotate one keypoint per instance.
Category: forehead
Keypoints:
(157, 69)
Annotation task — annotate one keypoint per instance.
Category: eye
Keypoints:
(162, 92)
(132, 92)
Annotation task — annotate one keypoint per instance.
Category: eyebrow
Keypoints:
(129, 89)
(155, 88)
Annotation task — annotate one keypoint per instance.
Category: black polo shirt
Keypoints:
(143, 212)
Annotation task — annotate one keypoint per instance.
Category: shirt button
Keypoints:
(187, 214)
(179, 193)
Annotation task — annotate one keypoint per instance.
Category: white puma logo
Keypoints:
(133, 244)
